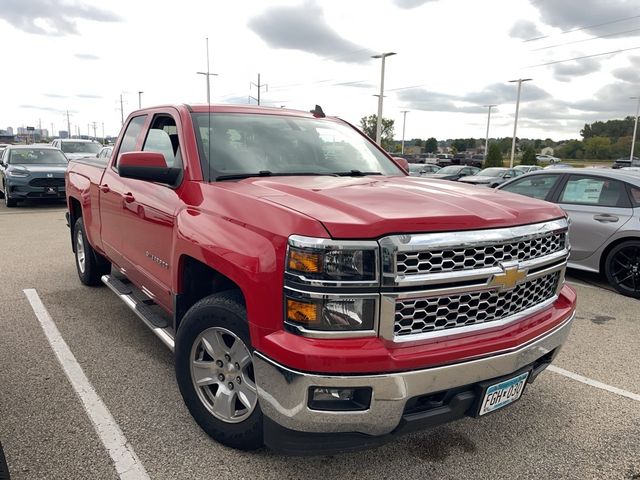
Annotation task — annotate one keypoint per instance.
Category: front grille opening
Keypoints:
(425, 403)
(430, 314)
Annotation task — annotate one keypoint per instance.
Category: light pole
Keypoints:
(486, 140)
(515, 123)
(140, 99)
(208, 74)
(383, 56)
(635, 128)
(404, 122)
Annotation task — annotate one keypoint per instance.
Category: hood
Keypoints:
(76, 156)
(56, 169)
(480, 179)
(371, 207)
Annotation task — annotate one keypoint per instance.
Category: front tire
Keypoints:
(214, 370)
(91, 266)
(9, 202)
(622, 268)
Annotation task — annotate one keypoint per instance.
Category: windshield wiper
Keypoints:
(269, 173)
(356, 173)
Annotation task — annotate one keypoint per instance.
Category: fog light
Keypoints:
(339, 399)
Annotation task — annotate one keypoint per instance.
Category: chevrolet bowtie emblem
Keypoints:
(508, 279)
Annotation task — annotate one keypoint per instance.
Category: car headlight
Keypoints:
(17, 173)
(324, 261)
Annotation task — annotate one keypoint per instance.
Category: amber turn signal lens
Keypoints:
(302, 312)
(305, 262)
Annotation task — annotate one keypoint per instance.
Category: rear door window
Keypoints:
(585, 190)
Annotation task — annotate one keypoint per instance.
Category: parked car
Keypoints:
(547, 159)
(630, 169)
(77, 148)
(298, 296)
(422, 169)
(527, 168)
(604, 208)
(476, 160)
(557, 165)
(490, 177)
(105, 153)
(32, 172)
(444, 159)
(453, 172)
(626, 162)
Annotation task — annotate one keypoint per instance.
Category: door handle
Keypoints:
(605, 217)
(128, 197)
(104, 188)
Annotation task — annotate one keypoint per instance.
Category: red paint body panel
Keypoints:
(240, 229)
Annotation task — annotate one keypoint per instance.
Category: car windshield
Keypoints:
(450, 170)
(80, 147)
(36, 156)
(413, 168)
(247, 145)
(491, 172)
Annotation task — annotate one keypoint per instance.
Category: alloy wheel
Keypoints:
(80, 251)
(625, 268)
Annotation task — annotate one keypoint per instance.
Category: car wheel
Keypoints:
(90, 264)
(9, 202)
(214, 370)
(4, 468)
(622, 268)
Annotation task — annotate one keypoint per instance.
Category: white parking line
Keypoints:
(126, 461)
(594, 383)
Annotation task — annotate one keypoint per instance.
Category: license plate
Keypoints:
(503, 393)
(51, 190)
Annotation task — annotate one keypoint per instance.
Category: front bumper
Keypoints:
(21, 188)
(283, 395)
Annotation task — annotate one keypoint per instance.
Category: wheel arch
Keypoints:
(611, 246)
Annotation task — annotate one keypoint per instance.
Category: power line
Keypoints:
(586, 40)
(583, 57)
(596, 25)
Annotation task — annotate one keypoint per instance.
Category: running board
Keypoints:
(151, 319)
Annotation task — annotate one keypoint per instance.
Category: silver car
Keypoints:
(604, 208)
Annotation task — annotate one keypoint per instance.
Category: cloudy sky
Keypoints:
(453, 56)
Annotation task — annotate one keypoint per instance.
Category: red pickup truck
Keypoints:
(318, 299)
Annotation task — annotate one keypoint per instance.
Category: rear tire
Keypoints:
(214, 370)
(622, 268)
(4, 468)
(91, 266)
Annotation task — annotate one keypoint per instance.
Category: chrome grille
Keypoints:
(429, 314)
(481, 256)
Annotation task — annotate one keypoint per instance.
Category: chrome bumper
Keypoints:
(283, 392)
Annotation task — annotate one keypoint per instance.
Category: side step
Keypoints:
(142, 308)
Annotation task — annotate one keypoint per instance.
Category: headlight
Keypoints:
(17, 173)
(331, 313)
(317, 260)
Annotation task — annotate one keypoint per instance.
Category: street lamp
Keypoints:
(207, 74)
(383, 56)
(515, 123)
(140, 99)
(635, 128)
(486, 141)
(404, 122)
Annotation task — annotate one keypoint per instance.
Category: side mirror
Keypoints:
(403, 163)
(149, 166)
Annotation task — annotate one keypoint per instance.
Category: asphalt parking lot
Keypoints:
(561, 428)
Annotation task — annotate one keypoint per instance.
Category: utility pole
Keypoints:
(121, 111)
(52, 130)
(88, 131)
(515, 123)
(635, 128)
(259, 86)
(140, 99)
(382, 56)
(486, 140)
(94, 130)
(68, 126)
(208, 74)
(103, 140)
(404, 122)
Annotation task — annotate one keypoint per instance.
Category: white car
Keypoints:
(74, 148)
(547, 158)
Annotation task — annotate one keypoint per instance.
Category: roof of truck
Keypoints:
(222, 108)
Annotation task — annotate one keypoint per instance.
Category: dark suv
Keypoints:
(625, 162)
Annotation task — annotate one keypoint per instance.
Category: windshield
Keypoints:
(491, 172)
(414, 168)
(449, 170)
(80, 147)
(261, 145)
(37, 156)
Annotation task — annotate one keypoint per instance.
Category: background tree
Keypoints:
(494, 158)
(431, 145)
(573, 149)
(597, 147)
(529, 156)
(418, 142)
(369, 124)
